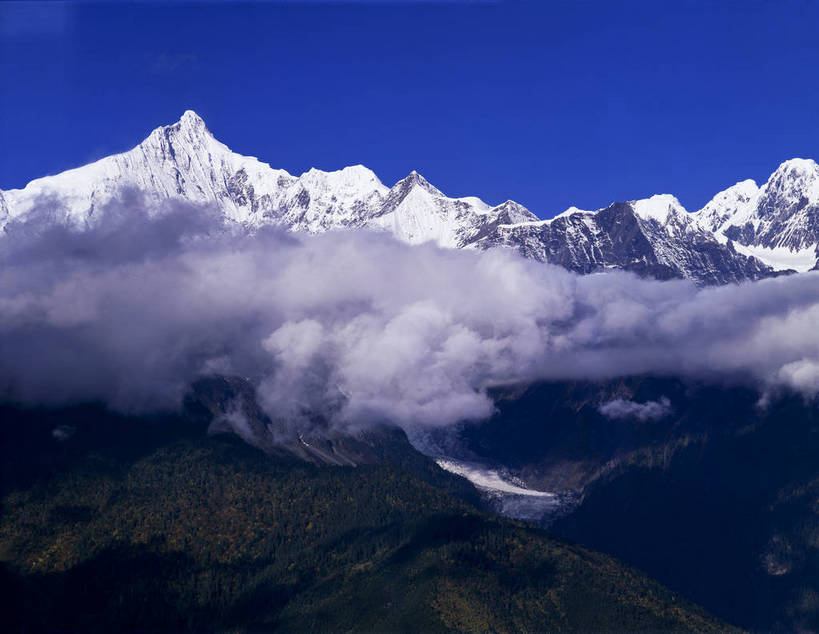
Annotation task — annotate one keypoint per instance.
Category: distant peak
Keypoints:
(350, 176)
(511, 212)
(664, 199)
(415, 179)
(743, 190)
(746, 188)
(796, 174)
(729, 200)
(511, 203)
(190, 117)
(572, 211)
(188, 121)
(192, 122)
(361, 171)
(190, 126)
(658, 207)
(797, 165)
(748, 183)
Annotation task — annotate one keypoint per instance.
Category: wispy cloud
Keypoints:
(619, 409)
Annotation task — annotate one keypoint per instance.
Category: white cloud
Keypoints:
(357, 327)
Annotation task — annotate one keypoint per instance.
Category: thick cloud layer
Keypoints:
(354, 326)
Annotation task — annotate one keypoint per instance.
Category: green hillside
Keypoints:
(206, 534)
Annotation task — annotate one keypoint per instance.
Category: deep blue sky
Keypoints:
(549, 103)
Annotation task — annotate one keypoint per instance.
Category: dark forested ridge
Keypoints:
(718, 499)
(152, 526)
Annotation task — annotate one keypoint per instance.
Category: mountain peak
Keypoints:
(188, 135)
(571, 211)
(797, 166)
(352, 180)
(730, 205)
(511, 212)
(415, 179)
(189, 125)
(184, 161)
(744, 188)
(658, 207)
(730, 199)
(792, 180)
(189, 117)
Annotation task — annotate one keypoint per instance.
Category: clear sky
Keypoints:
(551, 104)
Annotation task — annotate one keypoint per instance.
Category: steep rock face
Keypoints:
(653, 237)
(679, 243)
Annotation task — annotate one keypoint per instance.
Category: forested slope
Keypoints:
(207, 533)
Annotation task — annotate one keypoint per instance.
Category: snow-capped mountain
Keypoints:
(778, 222)
(184, 160)
(654, 237)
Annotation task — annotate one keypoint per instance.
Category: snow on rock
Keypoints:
(733, 203)
(777, 223)
(571, 211)
(658, 208)
(782, 258)
(181, 160)
(654, 236)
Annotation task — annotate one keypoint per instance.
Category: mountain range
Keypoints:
(697, 484)
(745, 233)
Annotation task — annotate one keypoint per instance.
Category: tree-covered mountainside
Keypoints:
(729, 515)
(716, 495)
(153, 526)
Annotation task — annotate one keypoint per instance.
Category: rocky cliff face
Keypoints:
(624, 236)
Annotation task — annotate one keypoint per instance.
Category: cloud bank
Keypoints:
(355, 327)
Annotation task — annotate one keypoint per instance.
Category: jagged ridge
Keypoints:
(654, 237)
